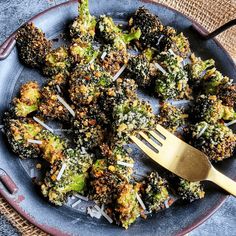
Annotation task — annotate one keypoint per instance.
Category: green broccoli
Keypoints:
(29, 99)
(50, 107)
(87, 127)
(109, 33)
(227, 93)
(154, 192)
(138, 69)
(190, 191)
(57, 61)
(127, 207)
(86, 83)
(104, 184)
(32, 45)
(84, 26)
(52, 147)
(153, 33)
(19, 134)
(171, 81)
(171, 117)
(130, 117)
(211, 110)
(216, 140)
(72, 180)
(118, 161)
(82, 52)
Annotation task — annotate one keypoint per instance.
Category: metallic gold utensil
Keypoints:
(181, 158)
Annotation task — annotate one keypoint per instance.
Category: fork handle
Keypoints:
(222, 180)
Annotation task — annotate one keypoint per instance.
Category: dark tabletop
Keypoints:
(12, 15)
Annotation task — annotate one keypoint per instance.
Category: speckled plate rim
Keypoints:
(54, 231)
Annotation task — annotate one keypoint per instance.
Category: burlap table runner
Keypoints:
(210, 14)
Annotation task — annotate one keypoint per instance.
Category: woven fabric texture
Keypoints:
(210, 14)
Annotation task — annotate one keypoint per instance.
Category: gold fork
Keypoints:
(182, 159)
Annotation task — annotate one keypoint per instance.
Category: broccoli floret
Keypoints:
(84, 26)
(129, 117)
(138, 69)
(216, 140)
(19, 132)
(198, 67)
(211, 110)
(171, 117)
(104, 184)
(73, 179)
(57, 61)
(116, 154)
(86, 83)
(127, 206)
(50, 107)
(153, 33)
(180, 45)
(52, 146)
(173, 81)
(227, 93)
(32, 45)
(29, 99)
(87, 127)
(82, 52)
(109, 33)
(114, 58)
(212, 81)
(154, 192)
(117, 93)
(190, 191)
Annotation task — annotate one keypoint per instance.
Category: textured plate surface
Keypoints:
(179, 219)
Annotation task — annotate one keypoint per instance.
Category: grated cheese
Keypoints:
(61, 171)
(121, 70)
(43, 124)
(66, 105)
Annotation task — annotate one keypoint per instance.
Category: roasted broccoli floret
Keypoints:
(154, 192)
(50, 107)
(216, 140)
(118, 161)
(57, 61)
(52, 146)
(190, 191)
(104, 184)
(84, 26)
(72, 180)
(198, 67)
(138, 69)
(120, 91)
(32, 45)
(171, 117)
(113, 59)
(180, 45)
(129, 117)
(212, 81)
(82, 52)
(87, 127)
(19, 133)
(86, 83)
(29, 99)
(211, 110)
(227, 93)
(127, 206)
(171, 80)
(153, 33)
(109, 33)
(114, 52)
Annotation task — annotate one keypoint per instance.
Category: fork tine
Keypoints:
(157, 137)
(144, 147)
(150, 141)
(162, 130)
